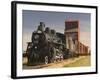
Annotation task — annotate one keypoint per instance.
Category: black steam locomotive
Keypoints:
(46, 46)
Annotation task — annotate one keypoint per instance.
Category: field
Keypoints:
(72, 62)
(84, 61)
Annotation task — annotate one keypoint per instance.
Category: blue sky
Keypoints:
(55, 20)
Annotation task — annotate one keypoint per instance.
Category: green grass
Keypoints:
(81, 62)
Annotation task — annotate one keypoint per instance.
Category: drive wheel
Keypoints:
(46, 59)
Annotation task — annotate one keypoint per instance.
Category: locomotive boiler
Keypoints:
(46, 46)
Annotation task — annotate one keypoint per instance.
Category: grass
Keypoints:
(85, 61)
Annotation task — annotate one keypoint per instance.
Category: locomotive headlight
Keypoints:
(35, 47)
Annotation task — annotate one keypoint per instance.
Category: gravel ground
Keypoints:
(72, 62)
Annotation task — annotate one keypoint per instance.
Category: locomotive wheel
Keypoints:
(46, 60)
(61, 58)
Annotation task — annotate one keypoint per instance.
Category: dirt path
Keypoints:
(64, 63)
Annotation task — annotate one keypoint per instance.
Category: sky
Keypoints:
(55, 20)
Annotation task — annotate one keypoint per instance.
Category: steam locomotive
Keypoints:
(46, 46)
